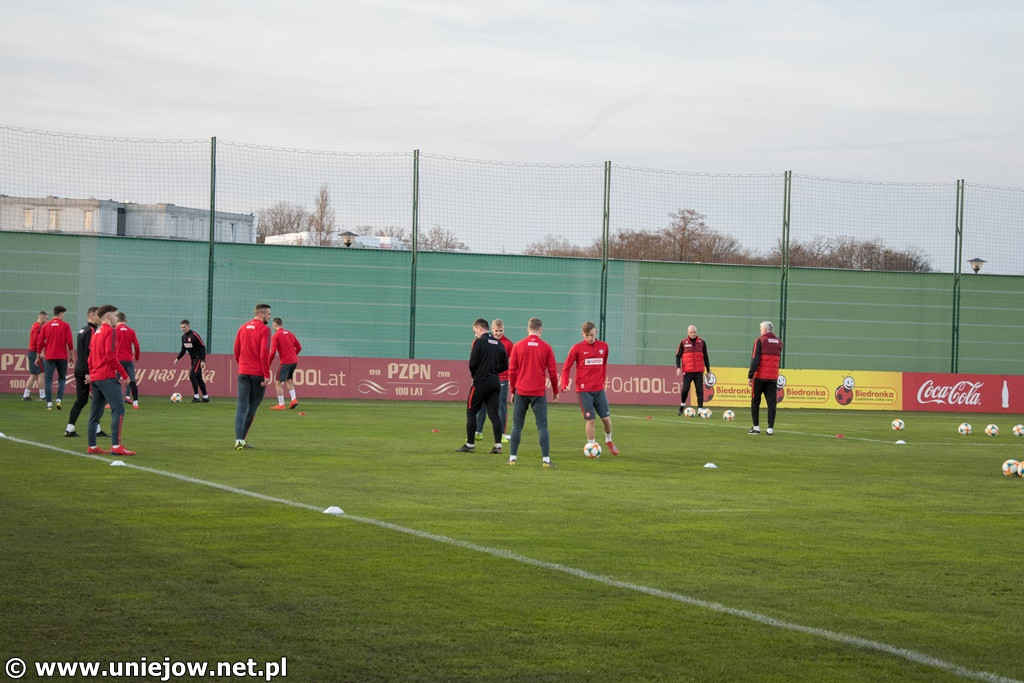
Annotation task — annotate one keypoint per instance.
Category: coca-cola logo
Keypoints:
(963, 393)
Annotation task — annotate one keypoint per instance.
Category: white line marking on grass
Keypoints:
(953, 442)
(481, 511)
(724, 511)
(174, 475)
(835, 636)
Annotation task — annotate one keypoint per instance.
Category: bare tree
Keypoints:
(711, 246)
(280, 219)
(911, 260)
(393, 231)
(689, 238)
(851, 253)
(441, 239)
(686, 225)
(556, 245)
(638, 245)
(321, 220)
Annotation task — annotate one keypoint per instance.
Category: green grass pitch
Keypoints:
(802, 556)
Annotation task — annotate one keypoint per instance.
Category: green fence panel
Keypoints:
(991, 324)
(726, 303)
(856, 320)
(338, 302)
(155, 282)
(356, 302)
(453, 290)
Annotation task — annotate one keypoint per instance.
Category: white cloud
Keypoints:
(899, 90)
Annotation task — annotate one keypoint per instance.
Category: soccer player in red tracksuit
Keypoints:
(252, 353)
(56, 342)
(763, 375)
(288, 347)
(35, 339)
(128, 353)
(590, 357)
(693, 364)
(531, 366)
(103, 373)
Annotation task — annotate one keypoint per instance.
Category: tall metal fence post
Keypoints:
(958, 251)
(213, 239)
(414, 244)
(605, 221)
(787, 189)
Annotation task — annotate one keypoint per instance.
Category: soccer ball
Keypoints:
(592, 450)
(1011, 467)
(991, 430)
(175, 397)
(898, 425)
(729, 415)
(964, 428)
(705, 413)
(1018, 430)
(689, 412)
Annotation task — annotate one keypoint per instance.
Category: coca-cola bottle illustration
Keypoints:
(1006, 395)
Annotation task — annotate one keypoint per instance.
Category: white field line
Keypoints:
(896, 435)
(835, 636)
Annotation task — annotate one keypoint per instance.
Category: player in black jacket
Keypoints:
(487, 360)
(192, 344)
(82, 385)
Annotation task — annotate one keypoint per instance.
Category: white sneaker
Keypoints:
(769, 431)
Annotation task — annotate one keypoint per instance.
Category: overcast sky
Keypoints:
(892, 90)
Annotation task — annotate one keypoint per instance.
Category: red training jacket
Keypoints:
(591, 365)
(103, 363)
(532, 364)
(508, 344)
(252, 343)
(767, 348)
(56, 340)
(691, 354)
(286, 344)
(127, 343)
(35, 337)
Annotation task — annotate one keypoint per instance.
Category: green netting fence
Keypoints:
(856, 274)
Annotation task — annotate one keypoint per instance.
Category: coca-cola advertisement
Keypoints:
(963, 393)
